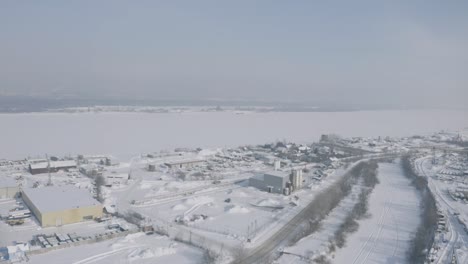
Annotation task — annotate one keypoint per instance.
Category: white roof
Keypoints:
(7, 182)
(53, 199)
(185, 161)
(280, 174)
(54, 164)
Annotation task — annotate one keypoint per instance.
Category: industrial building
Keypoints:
(52, 166)
(8, 188)
(274, 182)
(183, 164)
(278, 181)
(56, 206)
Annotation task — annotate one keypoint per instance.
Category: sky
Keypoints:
(398, 53)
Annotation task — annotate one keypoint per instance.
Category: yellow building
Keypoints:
(56, 206)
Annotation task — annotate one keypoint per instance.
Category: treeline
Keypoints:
(424, 237)
(360, 209)
(328, 199)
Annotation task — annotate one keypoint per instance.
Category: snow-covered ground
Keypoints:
(454, 242)
(126, 134)
(395, 215)
(383, 237)
(312, 246)
(134, 248)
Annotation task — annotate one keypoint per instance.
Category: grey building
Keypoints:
(274, 182)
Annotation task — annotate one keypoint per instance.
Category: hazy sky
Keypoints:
(388, 52)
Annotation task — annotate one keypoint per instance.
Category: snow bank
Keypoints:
(145, 185)
(209, 152)
(235, 209)
(179, 207)
(198, 200)
(268, 202)
(128, 239)
(241, 194)
(146, 253)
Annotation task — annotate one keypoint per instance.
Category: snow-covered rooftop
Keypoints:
(52, 199)
(185, 161)
(54, 164)
(7, 182)
(280, 174)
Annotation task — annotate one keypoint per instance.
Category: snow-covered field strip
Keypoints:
(386, 235)
(315, 244)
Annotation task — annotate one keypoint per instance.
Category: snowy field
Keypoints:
(385, 236)
(126, 134)
(134, 248)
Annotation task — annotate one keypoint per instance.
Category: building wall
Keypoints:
(71, 216)
(8, 192)
(31, 207)
(278, 183)
(46, 170)
(259, 184)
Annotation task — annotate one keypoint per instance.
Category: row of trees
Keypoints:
(329, 198)
(360, 209)
(424, 237)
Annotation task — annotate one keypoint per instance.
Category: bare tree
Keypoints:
(99, 181)
(181, 175)
(210, 257)
(239, 254)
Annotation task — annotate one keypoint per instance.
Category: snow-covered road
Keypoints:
(457, 237)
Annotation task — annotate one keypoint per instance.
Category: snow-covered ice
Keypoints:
(125, 134)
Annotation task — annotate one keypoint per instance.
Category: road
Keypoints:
(458, 235)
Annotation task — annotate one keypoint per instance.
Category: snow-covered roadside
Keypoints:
(311, 246)
(385, 236)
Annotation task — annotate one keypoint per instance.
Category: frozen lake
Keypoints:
(127, 134)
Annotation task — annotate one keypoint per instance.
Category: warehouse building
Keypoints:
(43, 167)
(278, 181)
(8, 188)
(274, 182)
(56, 206)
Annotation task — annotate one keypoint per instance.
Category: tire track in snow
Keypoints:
(379, 232)
(103, 255)
(381, 219)
(395, 223)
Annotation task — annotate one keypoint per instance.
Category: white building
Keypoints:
(277, 165)
(297, 179)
